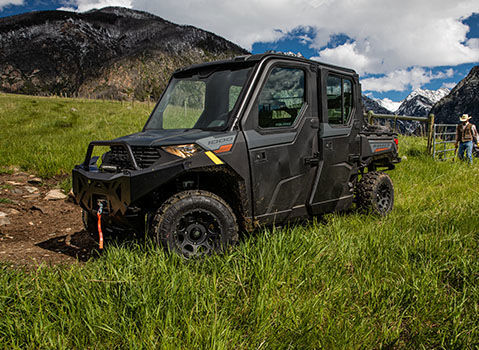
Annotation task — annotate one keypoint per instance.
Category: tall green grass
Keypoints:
(49, 136)
(408, 280)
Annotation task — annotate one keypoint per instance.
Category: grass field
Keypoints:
(410, 280)
(48, 136)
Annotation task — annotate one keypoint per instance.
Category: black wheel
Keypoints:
(194, 224)
(375, 193)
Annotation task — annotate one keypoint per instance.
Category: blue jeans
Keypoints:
(467, 147)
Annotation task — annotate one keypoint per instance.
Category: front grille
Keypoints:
(144, 156)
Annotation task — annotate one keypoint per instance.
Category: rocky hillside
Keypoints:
(419, 102)
(109, 53)
(464, 98)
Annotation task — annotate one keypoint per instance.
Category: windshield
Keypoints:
(201, 101)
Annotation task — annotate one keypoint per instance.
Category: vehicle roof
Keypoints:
(253, 59)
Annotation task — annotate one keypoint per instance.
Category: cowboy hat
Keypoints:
(464, 118)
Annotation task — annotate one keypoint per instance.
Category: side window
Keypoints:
(340, 99)
(282, 98)
(333, 90)
(347, 99)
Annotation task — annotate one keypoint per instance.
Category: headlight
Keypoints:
(183, 151)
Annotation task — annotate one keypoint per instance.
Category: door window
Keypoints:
(282, 98)
(340, 99)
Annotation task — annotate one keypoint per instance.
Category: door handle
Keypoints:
(312, 161)
(260, 157)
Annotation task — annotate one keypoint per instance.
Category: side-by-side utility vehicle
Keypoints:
(234, 144)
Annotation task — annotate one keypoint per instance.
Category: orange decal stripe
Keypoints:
(224, 148)
(382, 149)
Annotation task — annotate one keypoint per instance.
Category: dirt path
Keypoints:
(34, 230)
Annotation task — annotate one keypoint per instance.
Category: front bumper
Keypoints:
(118, 191)
(128, 187)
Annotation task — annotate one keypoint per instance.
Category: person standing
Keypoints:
(466, 135)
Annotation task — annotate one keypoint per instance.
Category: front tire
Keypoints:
(375, 193)
(195, 224)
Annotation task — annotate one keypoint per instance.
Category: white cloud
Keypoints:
(385, 35)
(403, 79)
(85, 5)
(346, 55)
(5, 3)
(473, 43)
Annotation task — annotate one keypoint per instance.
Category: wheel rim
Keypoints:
(384, 198)
(198, 233)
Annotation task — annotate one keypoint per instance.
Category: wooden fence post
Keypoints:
(370, 117)
(430, 140)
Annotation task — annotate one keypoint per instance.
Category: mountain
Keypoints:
(109, 53)
(389, 105)
(373, 105)
(464, 98)
(419, 102)
(404, 127)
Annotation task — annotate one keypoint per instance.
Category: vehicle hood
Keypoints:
(167, 137)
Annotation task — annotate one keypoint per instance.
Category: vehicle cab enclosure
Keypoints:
(274, 137)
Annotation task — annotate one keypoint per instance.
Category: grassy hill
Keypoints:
(49, 135)
(410, 280)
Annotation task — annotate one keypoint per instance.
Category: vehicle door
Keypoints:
(338, 142)
(281, 135)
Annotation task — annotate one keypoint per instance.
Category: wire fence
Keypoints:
(444, 138)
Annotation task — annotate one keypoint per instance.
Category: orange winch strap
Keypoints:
(100, 233)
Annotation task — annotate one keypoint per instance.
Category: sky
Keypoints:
(395, 46)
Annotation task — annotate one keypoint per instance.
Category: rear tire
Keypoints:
(195, 224)
(375, 193)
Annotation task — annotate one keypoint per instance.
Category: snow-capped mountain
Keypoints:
(389, 104)
(432, 95)
(374, 105)
(404, 127)
(420, 102)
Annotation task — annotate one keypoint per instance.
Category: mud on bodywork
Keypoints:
(127, 189)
